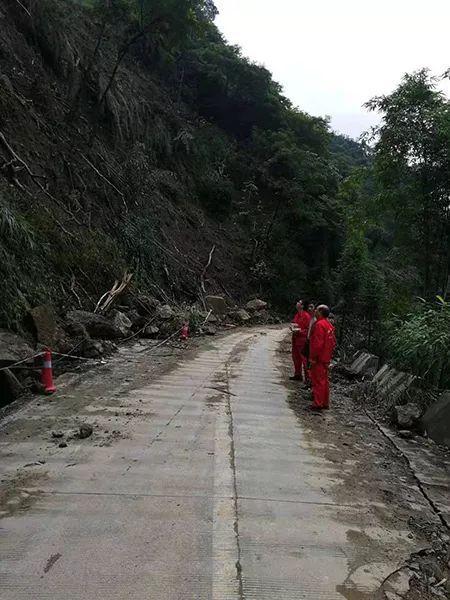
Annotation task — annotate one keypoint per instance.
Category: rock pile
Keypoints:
(92, 335)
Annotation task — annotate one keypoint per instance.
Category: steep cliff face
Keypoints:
(87, 192)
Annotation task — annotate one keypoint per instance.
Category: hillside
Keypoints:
(188, 146)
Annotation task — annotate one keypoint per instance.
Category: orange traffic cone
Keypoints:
(184, 332)
(47, 374)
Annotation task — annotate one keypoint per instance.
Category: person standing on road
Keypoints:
(312, 322)
(321, 348)
(299, 328)
(311, 310)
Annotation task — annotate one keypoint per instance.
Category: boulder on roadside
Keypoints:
(241, 316)
(96, 348)
(137, 320)
(165, 312)
(10, 387)
(44, 324)
(122, 322)
(97, 326)
(256, 305)
(408, 415)
(76, 330)
(13, 347)
(146, 305)
(436, 420)
(217, 304)
(91, 348)
(262, 317)
(209, 329)
(151, 331)
(108, 347)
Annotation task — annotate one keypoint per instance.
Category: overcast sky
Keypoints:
(331, 56)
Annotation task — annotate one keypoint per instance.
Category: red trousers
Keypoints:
(300, 361)
(320, 385)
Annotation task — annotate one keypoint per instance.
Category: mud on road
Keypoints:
(206, 477)
(375, 469)
(93, 394)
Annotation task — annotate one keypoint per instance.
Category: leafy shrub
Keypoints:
(196, 319)
(421, 343)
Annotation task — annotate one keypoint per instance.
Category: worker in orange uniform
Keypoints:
(322, 345)
(299, 328)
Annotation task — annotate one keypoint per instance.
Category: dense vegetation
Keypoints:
(146, 140)
(395, 264)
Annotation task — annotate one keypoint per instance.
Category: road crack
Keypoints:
(413, 473)
(235, 488)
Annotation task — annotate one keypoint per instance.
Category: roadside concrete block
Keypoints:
(385, 380)
(390, 384)
(380, 374)
(365, 364)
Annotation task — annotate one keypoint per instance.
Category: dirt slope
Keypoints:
(82, 189)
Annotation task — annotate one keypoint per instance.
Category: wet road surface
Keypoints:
(214, 493)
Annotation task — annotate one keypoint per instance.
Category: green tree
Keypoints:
(157, 24)
(412, 153)
(359, 280)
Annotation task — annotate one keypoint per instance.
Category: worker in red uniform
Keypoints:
(299, 328)
(311, 310)
(322, 344)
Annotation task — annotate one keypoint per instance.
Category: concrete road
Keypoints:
(209, 491)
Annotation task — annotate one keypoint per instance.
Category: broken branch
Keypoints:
(110, 297)
(72, 289)
(23, 7)
(109, 182)
(205, 268)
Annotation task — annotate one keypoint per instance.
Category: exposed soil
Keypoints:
(95, 191)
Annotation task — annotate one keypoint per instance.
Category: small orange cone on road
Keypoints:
(47, 374)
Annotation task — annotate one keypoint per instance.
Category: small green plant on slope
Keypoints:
(19, 262)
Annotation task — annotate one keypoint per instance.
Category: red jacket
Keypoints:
(323, 342)
(302, 320)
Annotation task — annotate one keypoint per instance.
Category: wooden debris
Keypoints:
(205, 268)
(108, 298)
